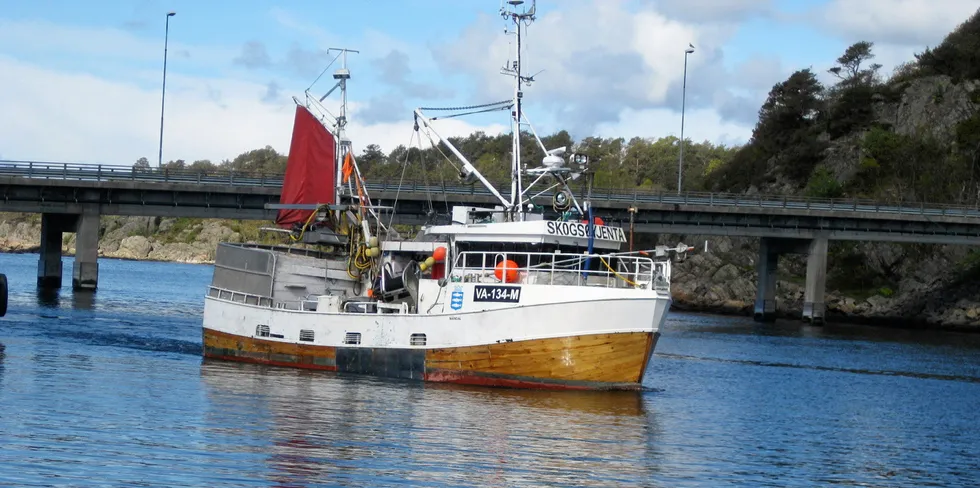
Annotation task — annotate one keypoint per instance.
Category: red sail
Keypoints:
(310, 170)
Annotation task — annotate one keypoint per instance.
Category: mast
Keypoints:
(516, 190)
(343, 142)
(515, 183)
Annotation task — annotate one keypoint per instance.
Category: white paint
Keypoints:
(571, 233)
(545, 311)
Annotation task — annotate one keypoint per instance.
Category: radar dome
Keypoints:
(552, 161)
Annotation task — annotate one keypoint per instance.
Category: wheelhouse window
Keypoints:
(524, 254)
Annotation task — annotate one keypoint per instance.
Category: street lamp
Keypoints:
(163, 97)
(680, 162)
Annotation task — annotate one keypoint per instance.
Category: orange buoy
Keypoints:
(439, 254)
(506, 271)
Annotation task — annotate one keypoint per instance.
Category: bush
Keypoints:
(822, 184)
(905, 72)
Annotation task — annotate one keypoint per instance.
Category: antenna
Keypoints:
(343, 147)
(341, 75)
(514, 14)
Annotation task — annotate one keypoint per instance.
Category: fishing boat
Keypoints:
(501, 295)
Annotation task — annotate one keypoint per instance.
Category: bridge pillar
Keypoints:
(49, 261)
(85, 271)
(765, 298)
(816, 281)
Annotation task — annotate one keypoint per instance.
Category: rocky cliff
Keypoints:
(142, 238)
(912, 148)
(899, 285)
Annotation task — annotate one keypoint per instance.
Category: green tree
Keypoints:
(202, 165)
(792, 105)
(371, 156)
(141, 165)
(559, 139)
(786, 136)
(958, 56)
(852, 99)
(265, 160)
(823, 184)
(174, 165)
(848, 67)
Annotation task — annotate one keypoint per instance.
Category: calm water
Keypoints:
(111, 390)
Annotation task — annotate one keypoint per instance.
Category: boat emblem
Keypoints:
(456, 300)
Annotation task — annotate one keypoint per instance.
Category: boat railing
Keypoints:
(240, 297)
(309, 304)
(569, 269)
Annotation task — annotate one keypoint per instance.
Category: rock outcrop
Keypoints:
(899, 285)
(139, 238)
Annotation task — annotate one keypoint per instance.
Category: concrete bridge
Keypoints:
(71, 197)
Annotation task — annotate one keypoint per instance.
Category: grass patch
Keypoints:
(176, 232)
(139, 232)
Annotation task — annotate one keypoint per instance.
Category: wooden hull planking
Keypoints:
(614, 361)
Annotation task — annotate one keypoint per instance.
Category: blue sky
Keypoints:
(82, 79)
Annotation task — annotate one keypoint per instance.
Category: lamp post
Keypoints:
(680, 161)
(163, 96)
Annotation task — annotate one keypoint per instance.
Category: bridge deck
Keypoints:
(67, 188)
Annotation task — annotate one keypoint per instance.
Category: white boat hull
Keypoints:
(599, 343)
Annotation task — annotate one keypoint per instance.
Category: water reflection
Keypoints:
(325, 427)
(51, 298)
(48, 297)
(83, 299)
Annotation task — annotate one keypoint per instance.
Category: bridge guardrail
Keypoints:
(100, 172)
(792, 202)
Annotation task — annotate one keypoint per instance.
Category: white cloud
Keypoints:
(87, 95)
(599, 59)
(583, 50)
(709, 10)
(64, 116)
(390, 135)
(59, 116)
(904, 22)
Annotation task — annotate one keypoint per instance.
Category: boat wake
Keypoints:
(906, 374)
(132, 341)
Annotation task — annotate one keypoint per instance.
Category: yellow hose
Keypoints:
(357, 256)
(615, 273)
(305, 225)
(356, 252)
